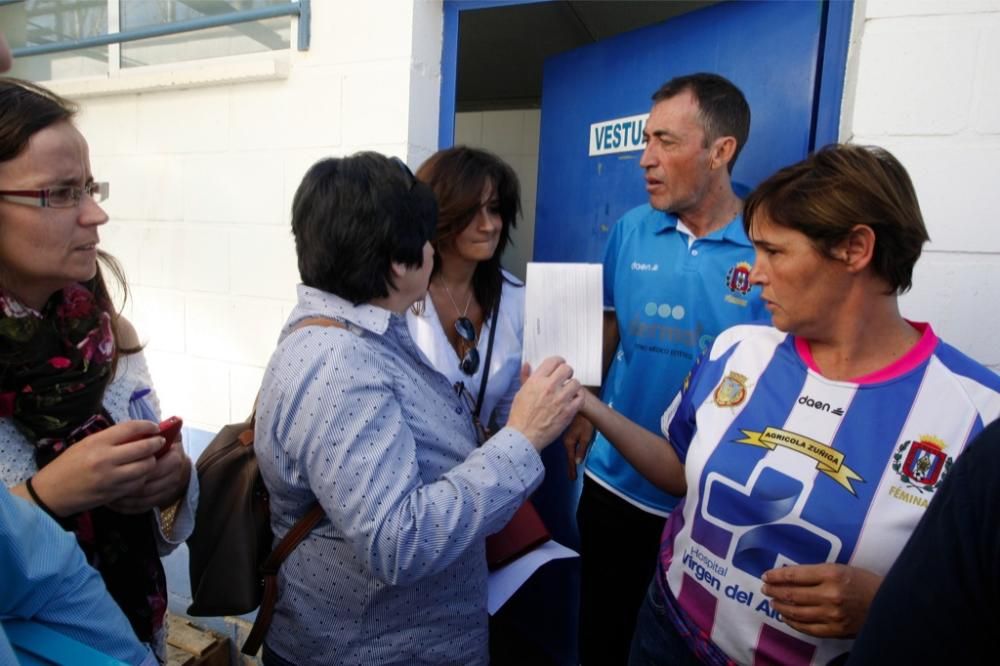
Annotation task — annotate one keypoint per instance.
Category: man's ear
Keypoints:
(858, 249)
(722, 151)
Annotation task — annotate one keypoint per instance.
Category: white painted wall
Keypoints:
(513, 136)
(204, 159)
(924, 83)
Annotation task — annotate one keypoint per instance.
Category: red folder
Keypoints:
(521, 535)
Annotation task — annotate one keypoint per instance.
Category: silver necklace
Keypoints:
(461, 313)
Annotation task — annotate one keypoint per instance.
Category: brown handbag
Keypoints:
(232, 566)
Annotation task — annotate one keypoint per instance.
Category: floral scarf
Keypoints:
(54, 368)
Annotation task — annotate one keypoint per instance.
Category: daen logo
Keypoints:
(817, 404)
(664, 311)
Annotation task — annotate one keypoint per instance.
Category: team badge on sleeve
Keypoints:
(923, 463)
(732, 390)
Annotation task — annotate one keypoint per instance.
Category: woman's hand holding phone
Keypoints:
(169, 430)
(167, 480)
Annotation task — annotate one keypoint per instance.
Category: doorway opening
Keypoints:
(492, 78)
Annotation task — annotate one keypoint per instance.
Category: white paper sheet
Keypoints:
(563, 316)
(504, 582)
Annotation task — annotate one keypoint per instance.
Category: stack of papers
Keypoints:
(563, 316)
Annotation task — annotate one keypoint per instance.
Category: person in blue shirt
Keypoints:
(47, 580)
(675, 275)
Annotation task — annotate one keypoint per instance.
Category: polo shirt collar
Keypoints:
(733, 232)
(666, 221)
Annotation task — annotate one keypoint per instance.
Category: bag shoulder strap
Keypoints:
(302, 527)
(308, 321)
(269, 598)
(489, 354)
(319, 321)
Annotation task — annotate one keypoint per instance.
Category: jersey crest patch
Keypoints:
(731, 391)
(922, 464)
(738, 279)
(738, 283)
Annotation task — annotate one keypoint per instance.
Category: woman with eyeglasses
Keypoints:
(473, 307)
(352, 415)
(74, 387)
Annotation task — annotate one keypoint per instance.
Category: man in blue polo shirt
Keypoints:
(676, 273)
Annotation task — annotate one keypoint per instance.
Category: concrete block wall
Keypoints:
(923, 82)
(513, 135)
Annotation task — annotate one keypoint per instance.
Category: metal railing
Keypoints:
(301, 9)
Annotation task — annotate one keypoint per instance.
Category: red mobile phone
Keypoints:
(169, 429)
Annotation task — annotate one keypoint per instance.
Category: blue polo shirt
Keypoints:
(671, 300)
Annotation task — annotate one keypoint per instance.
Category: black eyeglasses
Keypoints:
(411, 180)
(482, 434)
(470, 359)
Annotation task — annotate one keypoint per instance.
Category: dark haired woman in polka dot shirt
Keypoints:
(354, 416)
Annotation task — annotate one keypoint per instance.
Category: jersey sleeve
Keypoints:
(678, 421)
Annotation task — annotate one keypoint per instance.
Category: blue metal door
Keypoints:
(778, 53)
(787, 57)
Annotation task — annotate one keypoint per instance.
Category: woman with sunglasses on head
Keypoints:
(351, 416)
(473, 308)
(74, 386)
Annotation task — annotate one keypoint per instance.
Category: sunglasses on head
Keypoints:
(467, 331)
(408, 176)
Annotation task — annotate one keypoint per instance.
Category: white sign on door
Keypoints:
(618, 135)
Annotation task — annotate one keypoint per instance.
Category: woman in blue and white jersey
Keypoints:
(805, 451)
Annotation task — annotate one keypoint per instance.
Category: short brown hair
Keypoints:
(353, 217)
(838, 187)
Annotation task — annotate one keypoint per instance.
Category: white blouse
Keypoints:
(505, 364)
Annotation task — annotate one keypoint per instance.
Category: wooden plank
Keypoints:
(183, 635)
(178, 657)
